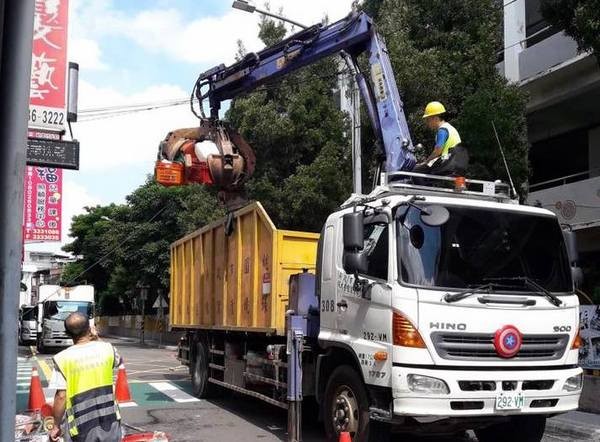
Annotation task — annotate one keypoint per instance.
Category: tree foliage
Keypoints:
(122, 246)
(298, 132)
(580, 19)
(440, 50)
(446, 51)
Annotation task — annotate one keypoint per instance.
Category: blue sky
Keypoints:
(143, 51)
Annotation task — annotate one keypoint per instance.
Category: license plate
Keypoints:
(510, 401)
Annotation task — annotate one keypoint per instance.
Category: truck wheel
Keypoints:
(346, 408)
(200, 385)
(519, 429)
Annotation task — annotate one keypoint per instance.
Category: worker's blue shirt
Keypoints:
(441, 137)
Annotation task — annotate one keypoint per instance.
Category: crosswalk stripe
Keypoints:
(173, 392)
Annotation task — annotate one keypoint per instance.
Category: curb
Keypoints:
(149, 344)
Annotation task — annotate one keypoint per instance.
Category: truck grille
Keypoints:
(59, 335)
(480, 346)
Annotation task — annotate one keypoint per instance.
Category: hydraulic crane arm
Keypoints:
(351, 37)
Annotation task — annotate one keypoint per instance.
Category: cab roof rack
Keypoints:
(445, 185)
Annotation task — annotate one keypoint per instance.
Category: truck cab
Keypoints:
(56, 303)
(27, 324)
(456, 309)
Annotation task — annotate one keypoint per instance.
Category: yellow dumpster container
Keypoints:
(240, 281)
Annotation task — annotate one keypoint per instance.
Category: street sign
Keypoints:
(160, 302)
(53, 153)
(47, 98)
(42, 212)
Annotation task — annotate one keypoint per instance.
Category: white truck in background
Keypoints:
(54, 305)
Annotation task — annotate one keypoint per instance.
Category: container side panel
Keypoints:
(173, 299)
(248, 258)
(264, 278)
(209, 271)
(296, 252)
(219, 280)
(188, 288)
(231, 278)
(181, 283)
(198, 280)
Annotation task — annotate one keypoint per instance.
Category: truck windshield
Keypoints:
(478, 244)
(59, 310)
(28, 313)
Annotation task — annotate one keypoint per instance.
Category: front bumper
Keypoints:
(57, 342)
(432, 407)
(27, 335)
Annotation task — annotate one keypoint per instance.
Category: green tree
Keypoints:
(298, 132)
(446, 51)
(580, 19)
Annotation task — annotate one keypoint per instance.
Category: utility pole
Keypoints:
(16, 34)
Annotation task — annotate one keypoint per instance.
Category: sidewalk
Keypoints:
(575, 425)
(136, 341)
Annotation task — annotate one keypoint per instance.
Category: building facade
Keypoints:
(563, 119)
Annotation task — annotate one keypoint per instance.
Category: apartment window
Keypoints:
(559, 157)
(536, 27)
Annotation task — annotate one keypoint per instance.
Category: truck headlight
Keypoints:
(425, 384)
(574, 383)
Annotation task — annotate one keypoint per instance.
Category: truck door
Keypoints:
(366, 320)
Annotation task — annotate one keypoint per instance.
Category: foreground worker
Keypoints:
(83, 378)
(447, 139)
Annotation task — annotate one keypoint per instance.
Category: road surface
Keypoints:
(163, 401)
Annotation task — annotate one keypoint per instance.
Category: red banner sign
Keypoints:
(47, 107)
(43, 204)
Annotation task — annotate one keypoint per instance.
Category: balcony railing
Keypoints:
(574, 198)
(564, 180)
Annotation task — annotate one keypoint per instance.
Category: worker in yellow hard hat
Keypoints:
(447, 139)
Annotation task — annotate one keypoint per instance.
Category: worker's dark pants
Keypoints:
(114, 434)
(433, 170)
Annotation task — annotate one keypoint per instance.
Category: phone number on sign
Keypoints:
(46, 117)
(44, 237)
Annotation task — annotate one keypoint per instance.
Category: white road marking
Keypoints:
(173, 392)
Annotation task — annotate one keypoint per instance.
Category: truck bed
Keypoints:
(240, 281)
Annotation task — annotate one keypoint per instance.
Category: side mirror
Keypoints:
(571, 244)
(355, 263)
(354, 231)
(434, 216)
(577, 275)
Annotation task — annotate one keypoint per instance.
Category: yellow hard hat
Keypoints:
(434, 108)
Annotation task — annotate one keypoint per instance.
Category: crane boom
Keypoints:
(231, 162)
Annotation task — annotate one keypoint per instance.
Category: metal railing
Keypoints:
(567, 179)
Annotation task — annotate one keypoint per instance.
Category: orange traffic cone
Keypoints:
(345, 437)
(122, 392)
(37, 400)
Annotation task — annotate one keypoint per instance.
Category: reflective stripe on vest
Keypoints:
(453, 138)
(88, 370)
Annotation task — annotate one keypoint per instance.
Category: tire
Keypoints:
(519, 429)
(201, 387)
(352, 413)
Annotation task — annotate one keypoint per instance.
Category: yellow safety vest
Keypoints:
(453, 138)
(88, 370)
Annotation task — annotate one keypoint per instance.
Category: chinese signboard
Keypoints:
(53, 153)
(589, 354)
(43, 204)
(47, 102)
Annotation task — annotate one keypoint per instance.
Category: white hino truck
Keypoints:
(433, 304)
(55, 303)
